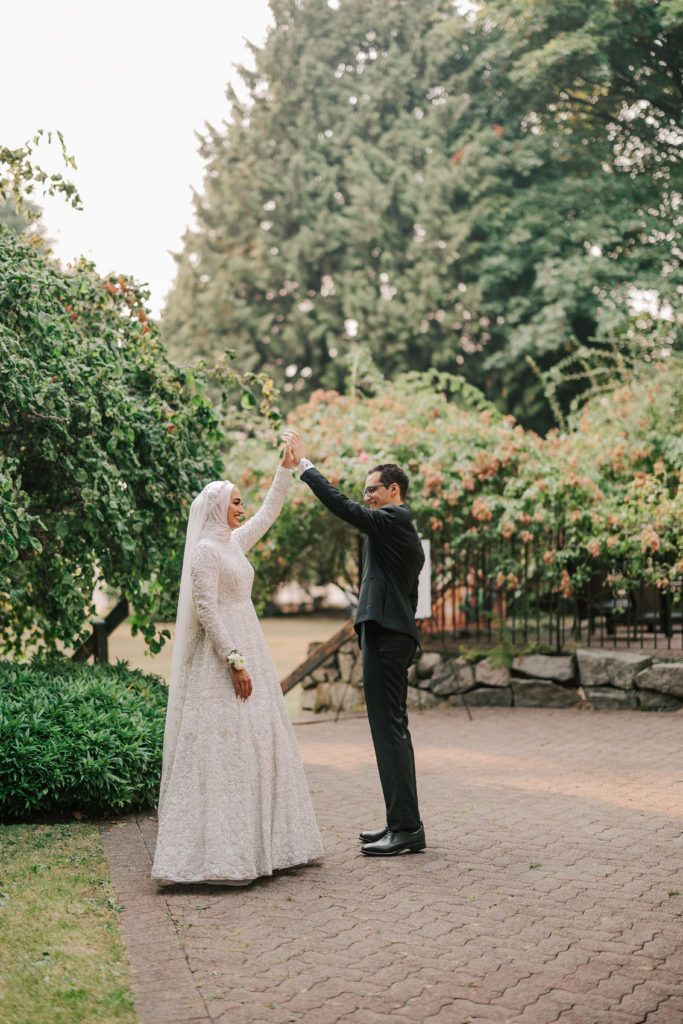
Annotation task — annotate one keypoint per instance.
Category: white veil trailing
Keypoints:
(208, 518)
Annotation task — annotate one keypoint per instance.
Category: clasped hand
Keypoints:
(293, 447)
(288, 460)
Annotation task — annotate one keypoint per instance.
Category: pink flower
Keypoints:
(481, 510)
(566, 584)
(363, 457)
(649, 539)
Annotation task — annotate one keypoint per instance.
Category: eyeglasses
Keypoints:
(371, 489)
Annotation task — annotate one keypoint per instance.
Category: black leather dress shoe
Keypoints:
(396, 842)
(372, 837)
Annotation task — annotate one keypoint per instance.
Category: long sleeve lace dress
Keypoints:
(235, 803)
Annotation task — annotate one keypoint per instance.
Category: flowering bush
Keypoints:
(606, 495)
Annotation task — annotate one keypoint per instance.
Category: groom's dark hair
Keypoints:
(390, 473)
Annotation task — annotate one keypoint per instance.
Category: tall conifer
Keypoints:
(454, 189)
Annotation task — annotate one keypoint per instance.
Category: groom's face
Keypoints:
(376, 494)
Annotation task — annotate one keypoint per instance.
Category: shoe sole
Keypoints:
(416, 848)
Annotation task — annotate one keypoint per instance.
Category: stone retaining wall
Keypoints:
(593, 676)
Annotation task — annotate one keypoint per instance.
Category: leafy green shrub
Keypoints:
(104, 445)
(78, 738)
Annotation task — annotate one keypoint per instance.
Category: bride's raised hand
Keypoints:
(292, 439)
(288, 461)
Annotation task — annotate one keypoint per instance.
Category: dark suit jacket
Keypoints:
(392, 557)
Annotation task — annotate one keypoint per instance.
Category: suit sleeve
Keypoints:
(374, 522)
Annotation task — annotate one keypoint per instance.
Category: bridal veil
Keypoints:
(208, 518)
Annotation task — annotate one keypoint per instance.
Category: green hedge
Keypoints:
(77, 737)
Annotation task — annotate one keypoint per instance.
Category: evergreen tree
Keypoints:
(308, 230)
(568, 170)
(455, 191)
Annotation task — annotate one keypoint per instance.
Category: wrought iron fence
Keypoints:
(584, 605)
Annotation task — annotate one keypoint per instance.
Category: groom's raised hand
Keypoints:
(295, 444)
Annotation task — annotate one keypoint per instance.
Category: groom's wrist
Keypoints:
(304, 464)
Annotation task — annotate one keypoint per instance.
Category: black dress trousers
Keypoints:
(386, 657)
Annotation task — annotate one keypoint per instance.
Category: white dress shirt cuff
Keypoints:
(304, 465)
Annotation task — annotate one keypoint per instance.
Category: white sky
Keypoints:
(128, 83)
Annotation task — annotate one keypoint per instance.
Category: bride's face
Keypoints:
(235, 509)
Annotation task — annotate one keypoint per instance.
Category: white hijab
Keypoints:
(208, 519)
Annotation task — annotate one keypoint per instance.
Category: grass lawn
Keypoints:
(61, 955)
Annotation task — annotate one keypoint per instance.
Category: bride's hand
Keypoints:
(295, 445)
(288, 461)
(241, 680)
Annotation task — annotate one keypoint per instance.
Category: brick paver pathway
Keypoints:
(551, 890)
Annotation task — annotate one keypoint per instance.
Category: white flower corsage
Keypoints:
(236, 660)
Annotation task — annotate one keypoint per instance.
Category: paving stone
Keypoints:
(344, 696)
(428, 663)
(664, 678)
(455, 675)
(561, 667)
(487, 674)
(607, 697)
(601, 667)
(542, 693)
(346, 663)
(483, 696)
(421, 699)
(357, 673)
(668, 1011)
(554, 839)
(309, 696)
(654, 700)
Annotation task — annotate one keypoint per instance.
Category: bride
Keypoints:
(234, 803)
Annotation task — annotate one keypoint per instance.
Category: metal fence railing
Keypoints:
(586, 605)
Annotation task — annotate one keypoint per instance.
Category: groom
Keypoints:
(385, 623)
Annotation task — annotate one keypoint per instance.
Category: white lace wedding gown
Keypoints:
(235, 803)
